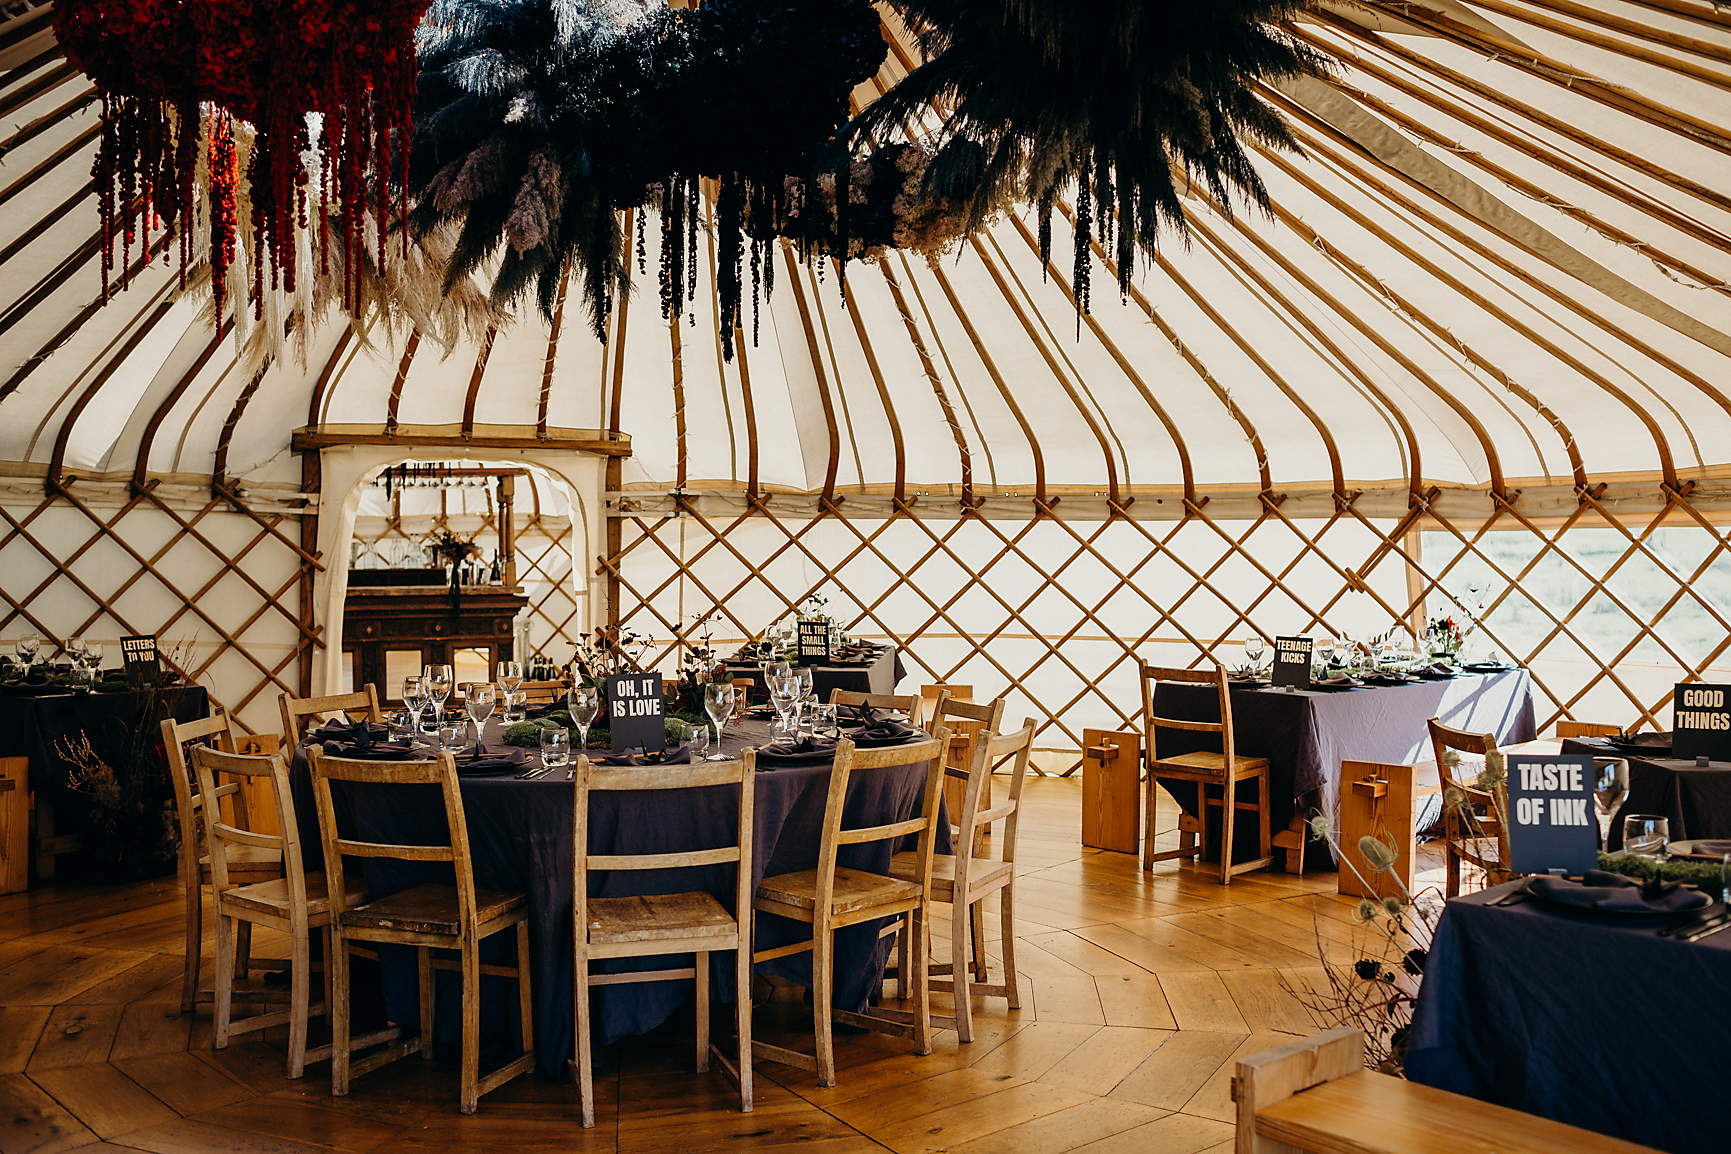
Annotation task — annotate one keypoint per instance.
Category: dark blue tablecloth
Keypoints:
(1696, 799)
(521, 836)
(1587, 1019)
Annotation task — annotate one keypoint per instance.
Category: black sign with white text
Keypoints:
(635, 713)
(1292, 661)
(139, 658)
(813, 642)
(1552, 822)
(1701, 722)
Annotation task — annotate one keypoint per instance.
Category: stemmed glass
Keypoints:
(807, 690)
(1610, 786)
(510, 675)
(1324, 653)
(93, 654)
(1254, 648)
(438, 681)
(479, 703)
(583, 701)
(784, 695)
(27, 647)
(76, 651)
(415, 700)
(718, 701)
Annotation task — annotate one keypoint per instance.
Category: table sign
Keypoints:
(1292, 662)
(814, 641)
(1552, 822)
(139, 658)
(1701, 722)
(635, 712)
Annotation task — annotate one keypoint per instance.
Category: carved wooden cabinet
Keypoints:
(390, 631)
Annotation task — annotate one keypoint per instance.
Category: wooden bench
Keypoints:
(1315, 1095)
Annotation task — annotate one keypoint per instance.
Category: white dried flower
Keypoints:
(1368, 910)
(1321, 827)
(1376, 853)
(1394, 906)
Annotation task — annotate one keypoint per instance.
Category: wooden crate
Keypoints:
(260, 805)
(1379, 799)
(14, 824)
(1112, 790)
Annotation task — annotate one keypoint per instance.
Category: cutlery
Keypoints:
(1519, 894)
(1708, 930)
(1696, 922)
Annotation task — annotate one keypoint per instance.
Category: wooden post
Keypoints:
(1376, 799)
(508, 529)
(261, 810)
(1112, 790)
(14, 824)
(311, 478)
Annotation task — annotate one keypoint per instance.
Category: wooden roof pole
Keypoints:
(474, 393)
(141, 461)
(547, 364)
(409, 348)
(901, 486)
(828, 496)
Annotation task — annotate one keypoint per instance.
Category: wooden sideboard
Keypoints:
(389, 630)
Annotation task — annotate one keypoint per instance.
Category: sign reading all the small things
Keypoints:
(813, 641)
(139, 658)
(635, 712)
(1552, 822)
(1292, 661)
(1701, 722)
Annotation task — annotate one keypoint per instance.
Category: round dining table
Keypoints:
(521, 837)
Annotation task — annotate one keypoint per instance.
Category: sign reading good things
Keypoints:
(1552, 822)
(1701, 722)
(1292, 662)
(635, 713)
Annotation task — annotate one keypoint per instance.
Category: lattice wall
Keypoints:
(1607, 615)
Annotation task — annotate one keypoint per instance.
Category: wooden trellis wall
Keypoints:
(1606, 606)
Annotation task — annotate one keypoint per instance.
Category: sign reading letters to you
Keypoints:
(635, 716)
(1292, 662)
(1701, 722)
(813, 642)
(139, 658)
(1552, 822)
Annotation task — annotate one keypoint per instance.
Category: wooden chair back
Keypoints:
(295, 710)
(593, 778)
(177, 737)
(442, 772)
(543, 692)
(1443, 739)
(1567, 728)
(1017, 747)
(965, 773)
(1153, 674)
(848, 758)
(956, 692)
(271, 771)
(913, 706)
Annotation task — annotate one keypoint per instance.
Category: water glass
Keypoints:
(510, 675)
(828, 721)
(1646, 835)
(403, 725)
(516, 705)
(453, 735)
(698, 738)
(555, 747)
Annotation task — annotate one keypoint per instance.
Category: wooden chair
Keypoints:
(831, 897)
(295, 710)
(295, 904)
(427, 916)
(965, 879)
(1566, 728)
(1223, 770)
(913, 706)
(1488, 847)
(956, 692)
(244, 865)
(687, 923)
(543, 692)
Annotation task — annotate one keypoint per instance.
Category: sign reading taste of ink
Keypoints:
(139, 658)
(635, 716)
(1701, 722)
(1292, 661)
(813, 641)
(1552, 822)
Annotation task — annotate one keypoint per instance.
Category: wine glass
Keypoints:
(27, 647)
(1254, 648)
(807, 688)
(415, 699)
(583, 701)
(784, 695)
(1646, 835)
(438, 679)
(76, 651)
(1610, 786)
(1324, 652)
(93, 654)
(510, 675)
(718, 702)
(479, 703)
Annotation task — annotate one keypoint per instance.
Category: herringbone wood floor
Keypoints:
(1142, 990)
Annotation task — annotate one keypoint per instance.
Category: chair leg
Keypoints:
(1265, 832)
(471, 1085)
(585, 1068)
(428, 989)
(525, 1000)
(1148, 826)
(920, 917)
(1007, 941)
(822, 1000)
(1454, 869)
(742, 1016)
(300, 982)
(977, 919)
(243, 951)
(960, 935)
(225, 946)
(1228, 820)
(339, 1015)
(194, 942)
(902, 955)
(701, 967)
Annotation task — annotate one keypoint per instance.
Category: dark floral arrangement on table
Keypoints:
(450, 549)
(175, 76)
(607, 652)
(1445, 635)
(696, 668)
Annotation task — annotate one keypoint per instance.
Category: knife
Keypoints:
(1518, 894)
(1700, 922)
(1708, 930)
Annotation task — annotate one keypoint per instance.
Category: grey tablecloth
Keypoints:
(1584, 1018)
(1696, 799)
(880, 675)
(1305, 735)
(521, 834)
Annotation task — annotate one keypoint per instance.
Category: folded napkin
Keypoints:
(357, 733)
(1436, 672)
(1487, 667)
(1648, 742)
(805, 751)
(862, 715)
(884, 732)
(1338, 681)
(476, 760)
(1710, 849)
(1615, 894)
(1387, 679)
(678, 756)
(372, 750)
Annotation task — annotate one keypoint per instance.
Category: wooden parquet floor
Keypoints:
(1141, 991)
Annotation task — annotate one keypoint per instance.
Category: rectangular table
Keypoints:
(1306, 734)
(879, 675)
(1579, 1017)
(1696, 799)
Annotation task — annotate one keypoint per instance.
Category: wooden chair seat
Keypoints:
(432, 909)
(855, 890)
(658, 917)
(271, 898)
(247, 859)
(984, 875)
(1213, 765)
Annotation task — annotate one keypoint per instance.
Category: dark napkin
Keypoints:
(372, 750)
(884, 732)
(1436, 672)
(359, 733)
(1338, 681)
(1649, 742)
(852, 715)
(1387, 679)
(476, 760)
(678, 756)
(1615, 894)
(1487, 667)
(805, 751)
(1710, 849)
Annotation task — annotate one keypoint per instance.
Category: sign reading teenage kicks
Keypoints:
(1701, 722)
(1292, 661)
(1552, 822)
(635, 712)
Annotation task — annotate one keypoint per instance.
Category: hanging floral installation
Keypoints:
(326, 87)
